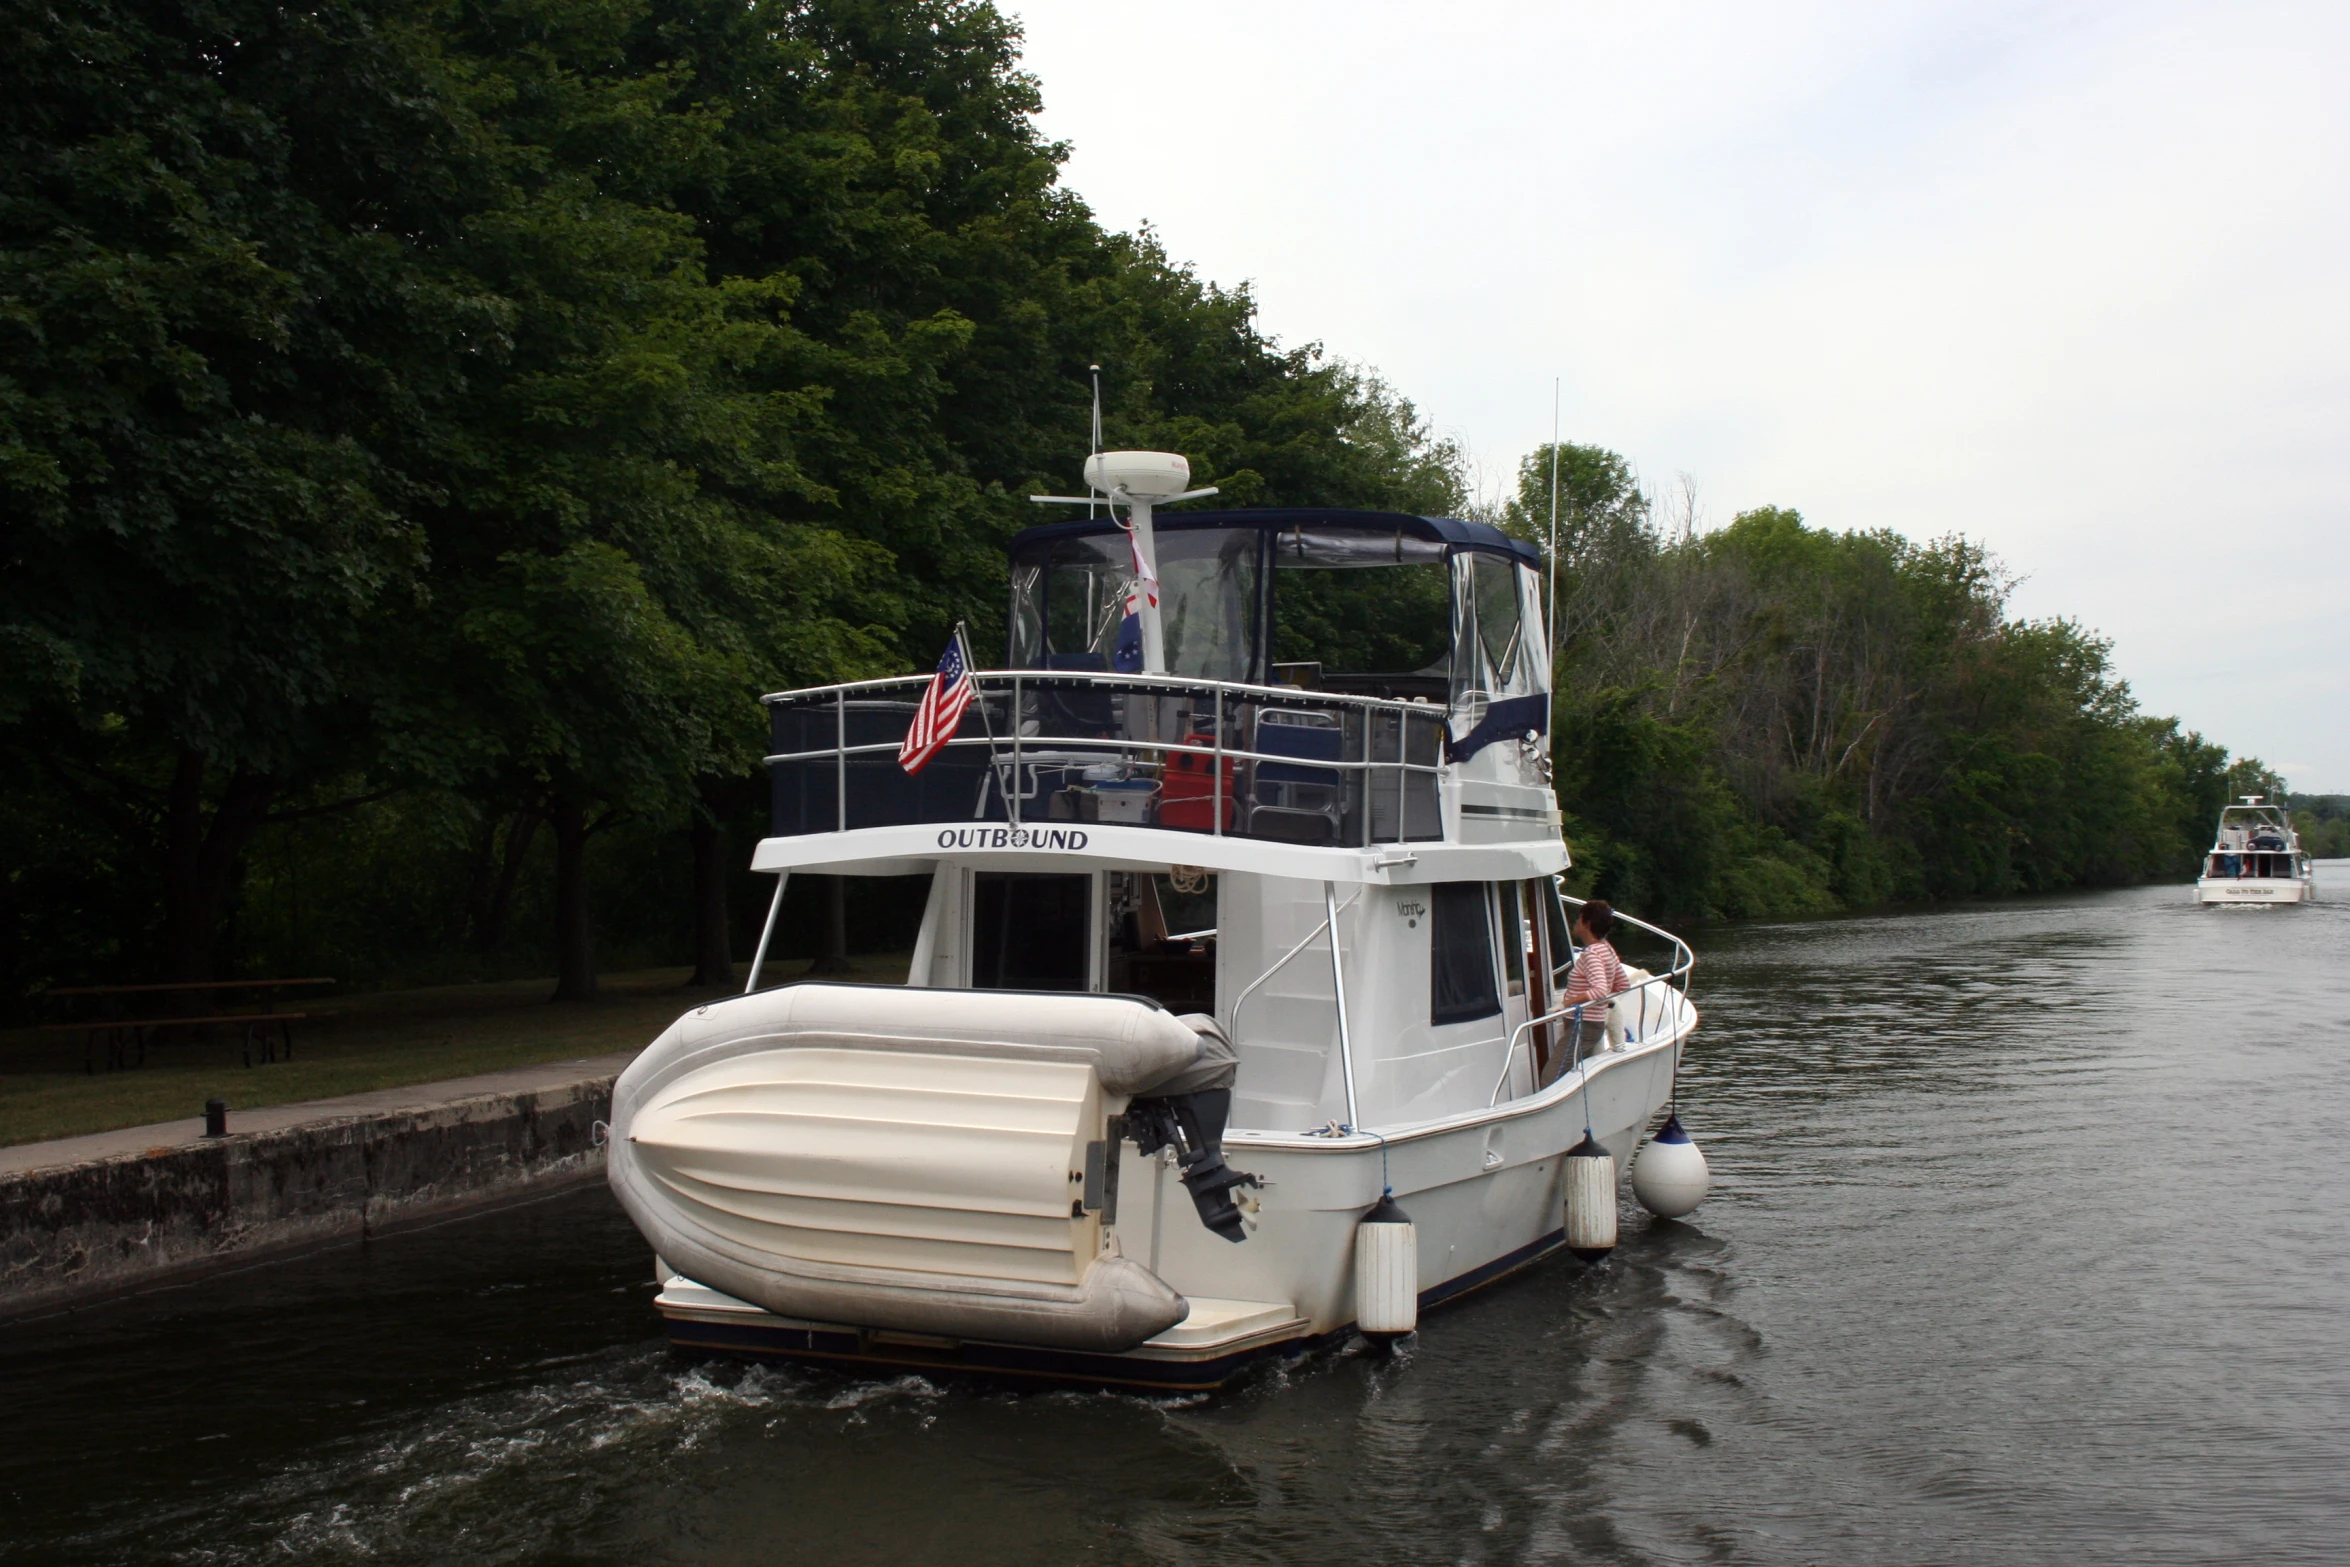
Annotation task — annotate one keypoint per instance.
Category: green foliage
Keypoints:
(442, 419)
(424, 425)
(2323, 821)
(1775, 719)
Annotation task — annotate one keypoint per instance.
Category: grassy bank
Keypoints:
(386, 1040)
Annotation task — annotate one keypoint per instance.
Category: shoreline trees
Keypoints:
(1770, 718)
(426, 426)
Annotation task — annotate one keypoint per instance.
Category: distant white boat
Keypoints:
(1218, 954)
(2256, 858)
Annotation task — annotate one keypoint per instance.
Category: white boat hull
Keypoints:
(2255, 890)
(1484, 1191)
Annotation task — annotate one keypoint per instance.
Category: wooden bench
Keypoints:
(125, 1037)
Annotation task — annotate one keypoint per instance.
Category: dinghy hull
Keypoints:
(1486, 1191)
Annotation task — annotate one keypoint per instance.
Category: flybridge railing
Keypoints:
(1047, 748)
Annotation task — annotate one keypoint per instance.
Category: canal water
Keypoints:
(2030, 1242)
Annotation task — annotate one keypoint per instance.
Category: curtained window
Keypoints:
(1461, 986)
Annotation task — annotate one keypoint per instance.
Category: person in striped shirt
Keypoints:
(1597, 975)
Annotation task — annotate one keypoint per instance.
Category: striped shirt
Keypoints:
(1597, 975)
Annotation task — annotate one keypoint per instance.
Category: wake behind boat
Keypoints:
(2256, 858)
(1237, 1019)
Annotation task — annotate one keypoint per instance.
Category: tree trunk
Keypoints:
(575, 936)
(833, 958)
(489, 925)
(200, 862)
(713, 959)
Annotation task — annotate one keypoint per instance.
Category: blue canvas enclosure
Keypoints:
(1222, 576)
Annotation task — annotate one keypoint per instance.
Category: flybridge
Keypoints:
(1159, 677)
(1044, 751)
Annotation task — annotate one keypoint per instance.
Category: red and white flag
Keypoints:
(1146, 581)
(941, 709)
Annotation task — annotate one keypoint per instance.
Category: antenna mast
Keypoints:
(1550, 627)
(1094, 371)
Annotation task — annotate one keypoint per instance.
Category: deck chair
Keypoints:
(1289, 800)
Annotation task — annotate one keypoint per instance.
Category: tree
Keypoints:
(201, 536)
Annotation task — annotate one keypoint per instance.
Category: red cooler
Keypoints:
(1186, 789)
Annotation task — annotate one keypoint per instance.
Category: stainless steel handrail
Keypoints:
(1119, 678)
(997, 686)
(1509, 1056)
(1233, 1026)
(1105, 743)
(1683, 961)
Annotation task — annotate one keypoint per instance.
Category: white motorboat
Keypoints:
(1223, 950)
(2256, 858)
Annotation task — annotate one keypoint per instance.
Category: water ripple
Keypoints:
(2030, 1243)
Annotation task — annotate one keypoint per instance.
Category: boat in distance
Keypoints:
(2256, 859)
(1235, 1023)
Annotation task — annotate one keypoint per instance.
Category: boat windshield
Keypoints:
(1358, 607)
(1370, 613)
(1069, 604)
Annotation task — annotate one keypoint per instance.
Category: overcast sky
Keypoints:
(2068, 278)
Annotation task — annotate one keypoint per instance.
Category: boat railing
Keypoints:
(1039, 747)
(1650, 1006)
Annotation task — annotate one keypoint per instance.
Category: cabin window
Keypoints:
(1163, 938)
(1461, 987)
(1562, 940)
(1513, 937)
(1030, 932)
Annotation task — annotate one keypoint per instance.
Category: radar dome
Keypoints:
(1147, 476)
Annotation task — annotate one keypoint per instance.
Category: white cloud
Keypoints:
(2068, 279)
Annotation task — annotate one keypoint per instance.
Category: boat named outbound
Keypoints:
(1235, 1022)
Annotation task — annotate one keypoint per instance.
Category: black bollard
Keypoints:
(215, 1118)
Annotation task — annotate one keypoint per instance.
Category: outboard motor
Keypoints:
(1188, 1112)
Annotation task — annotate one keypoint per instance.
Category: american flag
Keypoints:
(940, 711)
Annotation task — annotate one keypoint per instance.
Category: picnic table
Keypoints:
(264, 1025)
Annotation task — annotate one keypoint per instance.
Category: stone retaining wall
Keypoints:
(100, 1226)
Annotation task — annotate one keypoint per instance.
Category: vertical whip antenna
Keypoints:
(1550, 625)
(1095, 371)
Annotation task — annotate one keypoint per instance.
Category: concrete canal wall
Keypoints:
(87, 1216)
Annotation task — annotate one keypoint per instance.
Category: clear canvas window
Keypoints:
(1361, 610)
(1498, 637)
(1069, 609)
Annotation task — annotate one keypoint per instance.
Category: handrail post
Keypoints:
(1346, 1058)
(767, 931)
(840, 754)
(1403, 756)
(1015, 798)
(1216, 778)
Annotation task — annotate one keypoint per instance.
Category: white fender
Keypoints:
(1669, 1175)
(1387, 1271)
(1591, 1200)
